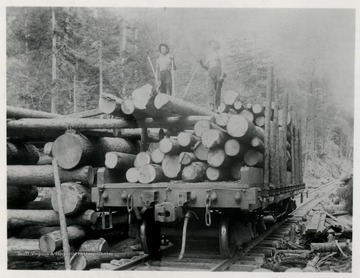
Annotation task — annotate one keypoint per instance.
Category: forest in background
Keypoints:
(60, 59)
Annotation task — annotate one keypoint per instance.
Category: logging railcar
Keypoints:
(229, 212)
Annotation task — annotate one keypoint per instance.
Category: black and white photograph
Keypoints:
(172, 138)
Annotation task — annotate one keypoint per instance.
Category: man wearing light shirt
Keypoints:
(164, 65)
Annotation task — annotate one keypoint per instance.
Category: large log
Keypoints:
(186, 140)
(43, 176)
(82, 261)
(247, 114)
(201, 152)
(233, 148)
(18, 113)
(157, 156)
(230, 97)
(95, 246)
(132, 175)
(21, 244)
(143, 100)
(20, 153)
(74, 150)
(105, 175)
(253, 158)
(150, 173)
(186, 158)
(20, 195)
(35, 232)
(195, 172)
(19, 218)
(174, 106)
(214, 138)
(177, 123)
(52, 242)
(171, 166)
(217, 174)
(117, 160)
(240, 127)
(222, 119)
(153, 134)
(204, 125)
(217, 158)
(76, 198)
(142, 158)
(110, 104)
(169, 146)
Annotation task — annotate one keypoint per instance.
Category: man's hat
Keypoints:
(165, 45)
(216, 42)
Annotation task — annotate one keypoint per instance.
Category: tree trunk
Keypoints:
(214, 138)
(195, 172)
(171, 166)
(142, 158)
(89, 260)
(18, 113)
(35, 232)
(174, 106)
(284, 117)
(269, 89)
(233, 148)
(254, 159)
(240, 127)
(54, 96)
(150, 174)
(169, 146)
(176, 123)
(95, 246)
(52, 242)
(43, 176)
(292, 136)
(235, 170)
(121, 161)
(247, 114)
(73, 150)
(19, 218)
(274, 175)
(217, 158)
(186, 158)
(20, 153)
(17, 244)
(132, 175)
(19, 195)
(75, 91)
(230, 97)
(76, 198)
(217, 174)
(157, 156)
(187, 140)
(201, 152)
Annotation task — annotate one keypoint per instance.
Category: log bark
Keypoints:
(253, 158)
(169, 146)
(74, 150)
(43, 176)
(52, 242)
(217, 158)
(76, 198)
(257, 109)
(233, 148)
(260, 133)
(214, 138)
(257, 144)
(187, 140)
(247, 114)
(21, 244)
(240, 127)
(157, 156)
(222, 119)
(329, 247)
(230, 97)
(235, 170)
(94, 246)
(18, 113)
(105, 175)
(201, 152)
(171, 105)
(20, 153)
(88, 260)
(35, 232)
(153, 134)
(171, 166)
(282, 157)
(260, 121)
(34, 205)
(19, 218)
(177, 123)
(111, 105)
(117, 160)
(142, 158)
(86, 114)
(20, 195)
(150, 174)
(186, 158)
(217, 174)
(132, 175)
(195, 172)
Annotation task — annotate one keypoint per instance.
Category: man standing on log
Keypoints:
(213, 65)
(165, 64)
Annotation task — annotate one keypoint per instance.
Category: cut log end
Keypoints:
(78, 262)
(47, 244)
(150, 173)
(161, 100)
(132, 175)
(237, 126)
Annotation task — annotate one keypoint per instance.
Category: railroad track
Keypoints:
(247, 259)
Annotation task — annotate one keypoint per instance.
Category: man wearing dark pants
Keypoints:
(164, 65)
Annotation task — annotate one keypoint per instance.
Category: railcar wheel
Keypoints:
(150, 235)
(227, 246)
